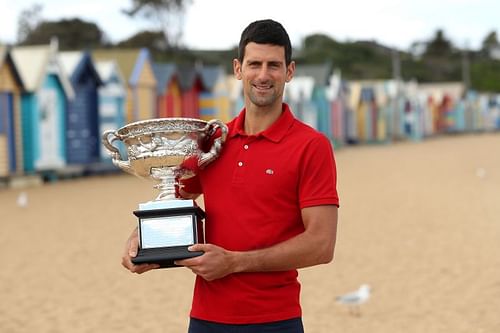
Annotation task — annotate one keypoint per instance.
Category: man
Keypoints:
(270, 199)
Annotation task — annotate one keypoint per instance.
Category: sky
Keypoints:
(217, 24)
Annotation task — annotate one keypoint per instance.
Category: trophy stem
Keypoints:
(168, 179)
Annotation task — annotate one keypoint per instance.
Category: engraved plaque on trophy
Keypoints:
(167, 150)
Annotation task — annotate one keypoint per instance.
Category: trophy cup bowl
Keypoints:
(167, 150)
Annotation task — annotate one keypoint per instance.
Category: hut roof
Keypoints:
(164, 73)
(75, 62)
(129, 60)
(32, 63)
(210, 75)
(107, 69)
(6, 58)
(319, 72)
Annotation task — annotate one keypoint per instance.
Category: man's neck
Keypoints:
(259, 119)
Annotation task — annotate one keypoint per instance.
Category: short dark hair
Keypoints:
(265, 32)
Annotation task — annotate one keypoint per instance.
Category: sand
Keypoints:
(419, 222)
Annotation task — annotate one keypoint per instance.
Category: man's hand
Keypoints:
(130, 252)
(215, 263)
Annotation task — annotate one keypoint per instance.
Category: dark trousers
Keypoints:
(286, 326)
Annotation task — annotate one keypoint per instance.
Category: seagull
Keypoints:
(22, 199)
(355, 299)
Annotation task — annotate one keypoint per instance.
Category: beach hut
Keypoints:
(235, 94)
(335, 93)
(111, 99)
(298, 95)
(352, 91)
(137, 68)
(214, 98)
(320, 73)
(83, 139)
(191, 86)
(366, 113)
(11, 86)
(442, 98)
(43, 107)
(169, 101)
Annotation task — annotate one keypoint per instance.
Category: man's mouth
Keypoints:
(262, 87)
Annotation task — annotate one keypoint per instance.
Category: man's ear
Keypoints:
(290, 70)
(237, 68)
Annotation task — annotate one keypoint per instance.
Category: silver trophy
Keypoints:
(167, 150)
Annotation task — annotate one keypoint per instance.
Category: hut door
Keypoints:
(7, 128)
(49, 144)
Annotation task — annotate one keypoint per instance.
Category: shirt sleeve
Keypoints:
(192, 185)
(318, 174)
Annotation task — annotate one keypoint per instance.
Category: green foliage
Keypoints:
(439, 47)
(357, 60)
(485, 75)
(153, 40)
(72, 34)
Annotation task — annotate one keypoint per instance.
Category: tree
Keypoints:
(28, 21)
(153, 40)
(169, 15)
(490, 43)
(439, 47)
(72, 34)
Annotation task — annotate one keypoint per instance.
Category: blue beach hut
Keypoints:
(137, 69)
(11, 86)
(82, 116)
(112, 96)
(43, 107)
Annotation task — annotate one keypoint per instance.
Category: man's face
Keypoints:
(264, 73)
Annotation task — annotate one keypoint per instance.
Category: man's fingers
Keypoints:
(199, 247)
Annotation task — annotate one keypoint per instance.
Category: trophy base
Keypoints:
(166, 233)
(164, 256)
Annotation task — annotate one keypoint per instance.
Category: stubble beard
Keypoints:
(262, 100)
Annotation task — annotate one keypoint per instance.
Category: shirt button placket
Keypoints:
(245, 147)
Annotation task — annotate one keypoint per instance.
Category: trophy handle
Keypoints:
(214, 151)
(114, 152)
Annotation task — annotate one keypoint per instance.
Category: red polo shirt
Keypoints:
(253, 196)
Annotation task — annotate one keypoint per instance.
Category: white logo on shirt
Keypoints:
(269, 171)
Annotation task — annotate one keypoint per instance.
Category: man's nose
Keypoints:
(263, 73)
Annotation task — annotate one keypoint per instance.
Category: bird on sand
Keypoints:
(355, 298)
(22, 200)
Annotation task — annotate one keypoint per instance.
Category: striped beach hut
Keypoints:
(214, 99)
(335, 93)
(169, 100)
(137, 68)
(111, 99)
(11, 86)
(82, 116)
(352, 93)
(43, 106)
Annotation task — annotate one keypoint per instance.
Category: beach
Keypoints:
(419, 222)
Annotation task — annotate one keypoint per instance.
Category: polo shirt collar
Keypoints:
(275, 133)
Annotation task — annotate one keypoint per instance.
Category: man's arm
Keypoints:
(312, 247)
